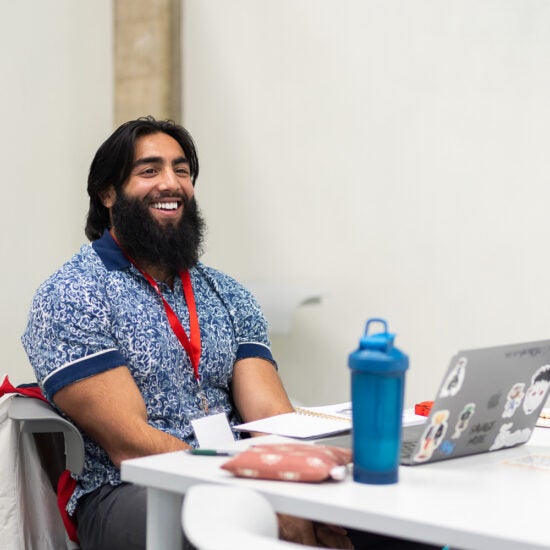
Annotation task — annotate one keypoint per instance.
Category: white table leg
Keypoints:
(164, 520)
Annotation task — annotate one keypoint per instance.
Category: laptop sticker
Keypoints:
(513, 399)
(478, 432)
(447, 447)
(433, 435)
(454, 380)
(463, 419)
(507, 438)
(537, 390)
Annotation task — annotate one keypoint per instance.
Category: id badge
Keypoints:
(213, 431)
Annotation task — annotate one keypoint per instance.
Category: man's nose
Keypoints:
(168, 180)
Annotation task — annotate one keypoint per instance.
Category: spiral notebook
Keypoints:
(304, 422)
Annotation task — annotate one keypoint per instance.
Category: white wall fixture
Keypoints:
(279, 302)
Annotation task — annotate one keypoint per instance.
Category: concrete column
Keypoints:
(147, 59)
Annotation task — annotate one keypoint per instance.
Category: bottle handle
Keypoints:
(376, 320)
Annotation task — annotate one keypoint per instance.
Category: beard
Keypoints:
(173, 246)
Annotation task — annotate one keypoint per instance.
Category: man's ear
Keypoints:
(108, 197)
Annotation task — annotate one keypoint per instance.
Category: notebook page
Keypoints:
(298, 425)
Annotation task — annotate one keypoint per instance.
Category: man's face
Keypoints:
(155, 216)
(160, 178)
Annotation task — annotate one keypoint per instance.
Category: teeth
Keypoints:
(165, 205)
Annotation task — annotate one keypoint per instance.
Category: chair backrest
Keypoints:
(38, 417)
(218, 517)
(59, 446)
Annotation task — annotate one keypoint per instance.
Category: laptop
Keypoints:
(490, 399)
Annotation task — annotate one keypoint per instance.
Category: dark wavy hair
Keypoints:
(113, 162)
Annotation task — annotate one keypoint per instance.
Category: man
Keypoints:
(133, 337)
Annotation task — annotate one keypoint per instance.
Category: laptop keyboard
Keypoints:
(407, 447)
(410, 437)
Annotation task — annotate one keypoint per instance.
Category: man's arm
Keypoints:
(258, 393)
(257, 390)
(110, 409)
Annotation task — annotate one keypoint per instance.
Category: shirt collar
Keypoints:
(111, 255)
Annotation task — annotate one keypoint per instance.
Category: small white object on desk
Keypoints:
(411, 419)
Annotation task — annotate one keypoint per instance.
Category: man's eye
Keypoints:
(148, 172)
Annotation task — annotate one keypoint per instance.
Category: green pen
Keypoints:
(210, 452)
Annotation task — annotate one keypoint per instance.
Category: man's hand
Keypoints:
(306, 532)
(331, 536)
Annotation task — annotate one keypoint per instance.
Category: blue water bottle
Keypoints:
(377, 390)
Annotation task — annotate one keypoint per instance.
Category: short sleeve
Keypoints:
(68, 334)
(247, 318)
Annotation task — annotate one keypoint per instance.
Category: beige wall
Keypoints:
(57, 104)
(393, 154)
(147, 59)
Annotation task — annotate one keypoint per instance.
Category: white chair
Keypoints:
(218, 517)
(36, 416)
(43, 444)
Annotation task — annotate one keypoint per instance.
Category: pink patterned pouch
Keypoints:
(291, 462)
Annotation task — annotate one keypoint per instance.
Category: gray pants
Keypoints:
(114, 518)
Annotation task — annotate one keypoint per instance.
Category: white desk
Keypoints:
(478, 502)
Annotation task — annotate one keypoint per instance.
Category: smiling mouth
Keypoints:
(168, 206)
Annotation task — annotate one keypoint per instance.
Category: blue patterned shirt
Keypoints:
(97, 312)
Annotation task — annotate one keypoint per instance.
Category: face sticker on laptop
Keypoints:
(537, 390)
(513, 399)
(454, 380)
(463, 419)
(433, 435)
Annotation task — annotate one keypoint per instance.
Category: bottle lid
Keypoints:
(377, 353)
(382, 341)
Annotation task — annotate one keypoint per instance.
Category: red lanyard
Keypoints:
(191, 344)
